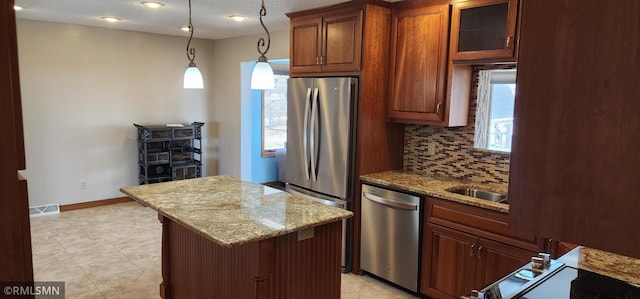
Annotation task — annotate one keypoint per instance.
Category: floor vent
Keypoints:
(44, 210)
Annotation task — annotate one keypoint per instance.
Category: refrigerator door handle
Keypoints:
(305, 136)
(314, 135)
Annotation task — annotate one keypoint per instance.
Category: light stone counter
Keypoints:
(609, 264)
(436, 187)
(232, 212)
(605, 263)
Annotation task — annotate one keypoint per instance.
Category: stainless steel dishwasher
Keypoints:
(390, 236)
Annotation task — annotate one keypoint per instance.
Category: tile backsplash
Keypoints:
(455, 155)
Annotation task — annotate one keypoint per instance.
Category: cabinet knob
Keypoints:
(508, 42)
(438, 107)
(317, 60)
(473, 246)
(321, 60)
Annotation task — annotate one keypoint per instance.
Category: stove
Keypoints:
(558, 281)
(572, 283)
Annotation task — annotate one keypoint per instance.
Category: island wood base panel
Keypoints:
(280, 267)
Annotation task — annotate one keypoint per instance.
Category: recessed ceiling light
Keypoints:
(17, 8)
(151, 4)
(185, 29)
(112, 19)
(237, 18)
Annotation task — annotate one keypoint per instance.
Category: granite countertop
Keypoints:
(605, 263)
(232, 212)
(436, 187)
(608, 264)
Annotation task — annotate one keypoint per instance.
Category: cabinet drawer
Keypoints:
(147, 135)
(482, 222)
(186, 172)
(154, 158)
(155, 171)
(183, 133)
(181, 157)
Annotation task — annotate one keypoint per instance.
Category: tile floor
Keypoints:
(114, 252)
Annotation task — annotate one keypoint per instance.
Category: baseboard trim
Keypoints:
(93, 204)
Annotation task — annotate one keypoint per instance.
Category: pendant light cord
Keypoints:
(261, 43)
(191, 52)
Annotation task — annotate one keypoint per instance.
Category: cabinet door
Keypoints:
(305, 44)
(448, 262)
(574, 161)
(342, 42)
(419, 63)
(495, 260)
(557, 248)
(483, 29)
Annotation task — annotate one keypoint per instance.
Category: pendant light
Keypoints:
(262, 75)
(192, 76)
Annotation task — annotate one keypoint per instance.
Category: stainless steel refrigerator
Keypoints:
(320, 141)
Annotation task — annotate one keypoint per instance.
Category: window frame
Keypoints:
(278, 69)
(487, 79)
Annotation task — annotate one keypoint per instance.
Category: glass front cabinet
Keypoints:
(484, 30)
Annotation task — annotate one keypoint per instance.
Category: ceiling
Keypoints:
(210, 17)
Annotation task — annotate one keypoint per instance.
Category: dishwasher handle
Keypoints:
(390, 202)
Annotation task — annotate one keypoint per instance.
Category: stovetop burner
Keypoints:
(572, 283)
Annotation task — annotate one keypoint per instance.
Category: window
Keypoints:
(274, 112)
(494, 115)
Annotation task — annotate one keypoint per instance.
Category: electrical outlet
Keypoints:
(431, 149)
(83, 184)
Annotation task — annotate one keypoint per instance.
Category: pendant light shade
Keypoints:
(262, 75)
(192, 75)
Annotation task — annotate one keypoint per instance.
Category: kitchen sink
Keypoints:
(480, 194)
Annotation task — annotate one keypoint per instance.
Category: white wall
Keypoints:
(82, 90)
(226, 111)
(84, 87)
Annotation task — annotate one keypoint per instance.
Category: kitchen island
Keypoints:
(225, 238)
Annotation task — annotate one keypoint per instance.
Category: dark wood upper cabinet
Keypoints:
(326, 42)
(424, 86)
(419, 63)
(342, 36)
(484, 30)
(575, 166)
(305, 45)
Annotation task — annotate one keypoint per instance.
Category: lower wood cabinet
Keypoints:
(557, 248)
(448, 262)
(466, 248)
(455, 262)
(497, 260)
